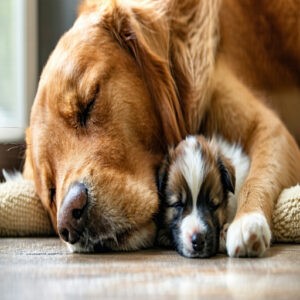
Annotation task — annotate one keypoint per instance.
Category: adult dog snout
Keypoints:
(72, 214)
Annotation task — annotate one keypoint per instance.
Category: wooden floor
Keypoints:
(37, 268)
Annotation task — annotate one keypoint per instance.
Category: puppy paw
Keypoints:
(223, 237)
(249, 236)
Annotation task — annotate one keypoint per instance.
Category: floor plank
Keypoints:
(42, 268)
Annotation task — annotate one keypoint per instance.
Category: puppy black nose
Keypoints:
(72, 214)
(197, 241)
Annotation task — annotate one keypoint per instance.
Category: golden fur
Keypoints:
(158, 70)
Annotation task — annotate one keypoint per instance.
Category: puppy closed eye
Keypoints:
(179, 202)
(214, 203)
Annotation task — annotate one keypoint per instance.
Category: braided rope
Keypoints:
(21, 211)
(286, 216)
(22, 214)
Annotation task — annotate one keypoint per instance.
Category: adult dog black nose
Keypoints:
(197, 241)
(72, 214)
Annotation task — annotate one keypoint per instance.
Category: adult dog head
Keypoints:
(105, 109)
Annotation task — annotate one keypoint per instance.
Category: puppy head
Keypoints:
(105, 108)
(194, 181)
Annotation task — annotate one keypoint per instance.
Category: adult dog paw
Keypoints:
(249, 236)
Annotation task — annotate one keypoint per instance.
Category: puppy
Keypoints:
(199, 182)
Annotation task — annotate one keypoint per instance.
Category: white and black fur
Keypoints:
(198, 184)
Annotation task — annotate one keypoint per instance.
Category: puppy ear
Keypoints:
(227, 172)
(163, 171)
(144, 33)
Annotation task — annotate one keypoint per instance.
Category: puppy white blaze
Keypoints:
(190, 225)
(193, 170)
(192, 167)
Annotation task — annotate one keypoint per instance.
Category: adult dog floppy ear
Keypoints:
(144, 34)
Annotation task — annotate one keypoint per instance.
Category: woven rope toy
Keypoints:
(22, 214)
(21, 211)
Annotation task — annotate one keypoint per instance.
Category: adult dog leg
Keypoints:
(275, 161)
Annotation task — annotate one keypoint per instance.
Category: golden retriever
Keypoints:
(132, 77)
